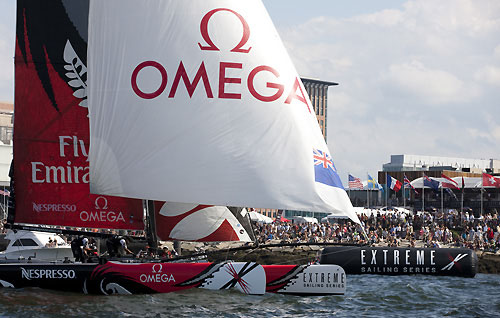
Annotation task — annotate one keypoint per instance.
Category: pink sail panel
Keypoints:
(201, 223)
(51, 128)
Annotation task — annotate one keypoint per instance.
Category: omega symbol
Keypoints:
(104, 207)
(211, 46)
(157, 266)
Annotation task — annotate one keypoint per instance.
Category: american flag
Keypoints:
(5, 192)
(355, 183)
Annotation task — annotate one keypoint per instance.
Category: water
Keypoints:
(366, 296)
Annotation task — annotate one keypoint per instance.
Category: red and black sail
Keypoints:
(51, 127)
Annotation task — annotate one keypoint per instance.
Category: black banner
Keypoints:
(402, 261)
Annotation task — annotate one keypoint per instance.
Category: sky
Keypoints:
(416, 77)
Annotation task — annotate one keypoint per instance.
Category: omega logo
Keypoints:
(159, 268)
(211, 46)
(101, 213)
(105, 206)
(232, 78)
(157, 276)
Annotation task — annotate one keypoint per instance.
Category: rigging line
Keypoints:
(344, 250)
(227, 253)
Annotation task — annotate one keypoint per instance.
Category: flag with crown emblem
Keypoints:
(324, 169)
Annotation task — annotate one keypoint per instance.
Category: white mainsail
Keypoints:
(199, 102)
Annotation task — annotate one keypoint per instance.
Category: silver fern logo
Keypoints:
(76, 70)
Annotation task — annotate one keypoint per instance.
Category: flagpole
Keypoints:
(482, 189)
(442, 208)
(423, 209)
(349, 186)
(4, 207)
(404, 194)
(386, 190)
(368, 191)
(462, 202)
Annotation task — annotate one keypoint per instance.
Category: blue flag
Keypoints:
(431, 183)
(324, 169)
(372, 184)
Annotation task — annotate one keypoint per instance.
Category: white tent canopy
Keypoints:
(333, 218)
(469, 182)
(304, 219)
(261, 218)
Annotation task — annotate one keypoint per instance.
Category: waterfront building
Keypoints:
(6, 129)
(435, 163)
(318, 94)
(476, 198)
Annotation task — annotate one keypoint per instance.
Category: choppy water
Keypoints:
(367, 296)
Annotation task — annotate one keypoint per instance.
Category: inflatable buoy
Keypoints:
(402, 261)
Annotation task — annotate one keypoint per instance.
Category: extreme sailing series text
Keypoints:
(411, 261)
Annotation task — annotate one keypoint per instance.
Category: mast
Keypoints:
(151, 225)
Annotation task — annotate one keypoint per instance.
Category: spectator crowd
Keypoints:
(393, 228)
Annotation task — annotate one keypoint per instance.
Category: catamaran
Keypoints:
(163, 102)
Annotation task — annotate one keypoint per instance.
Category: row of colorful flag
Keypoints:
(395, 185)
(355, 183)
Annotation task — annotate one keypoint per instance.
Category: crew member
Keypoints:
(80, 248)
(117, 246)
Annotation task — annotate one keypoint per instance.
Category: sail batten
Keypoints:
(201, 103)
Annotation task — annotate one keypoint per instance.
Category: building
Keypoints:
(6, 122)
(318, 93)
(415, 166)
(475, 198)
(6, 151)
(429, 163)
(6, 129)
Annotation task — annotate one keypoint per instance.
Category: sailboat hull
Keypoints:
(145, 278)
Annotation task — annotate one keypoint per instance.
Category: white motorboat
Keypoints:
(35, 246)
